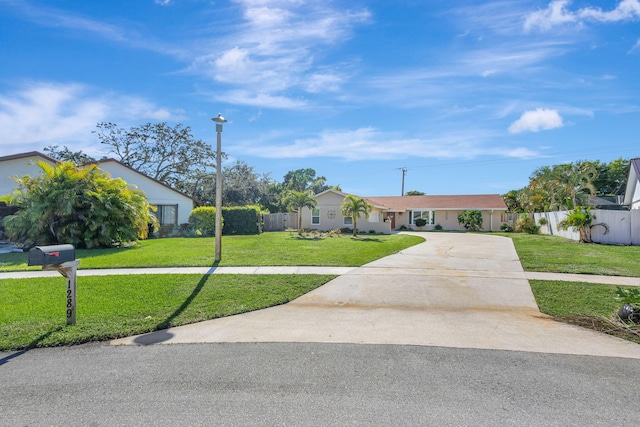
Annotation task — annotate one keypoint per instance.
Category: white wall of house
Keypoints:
(448, 220)
(156, 193)
(18, 168)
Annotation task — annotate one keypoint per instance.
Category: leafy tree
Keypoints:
(301, 180)
(84, 207)
(414, 193)
(169, 154)
(612, 177)
(471, 219)
(64, 154)
(581, 220)
(305, 180)
(355, 207)
(243, 186)
(297, 200)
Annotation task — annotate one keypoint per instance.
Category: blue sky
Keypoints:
(469, 96)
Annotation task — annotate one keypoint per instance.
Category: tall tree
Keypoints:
(297, 200)
(64, 154)
(243, 186)
(612, 177)
(169, 154)
(355, 207)
(305, 180)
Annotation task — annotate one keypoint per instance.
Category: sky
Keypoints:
(467, 97)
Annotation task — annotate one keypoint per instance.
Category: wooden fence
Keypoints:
(279, 221)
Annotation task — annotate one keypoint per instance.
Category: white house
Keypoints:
(174, 207)
(390, 213)
(632, 193)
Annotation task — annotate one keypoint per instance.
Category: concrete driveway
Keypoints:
(454, 290)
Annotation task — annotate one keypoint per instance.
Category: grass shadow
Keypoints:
(160, 334)
(33, 344)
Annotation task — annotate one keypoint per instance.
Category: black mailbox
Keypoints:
(55, 254)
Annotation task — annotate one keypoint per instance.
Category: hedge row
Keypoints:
(236, 220)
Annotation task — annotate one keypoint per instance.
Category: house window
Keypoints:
(315, 216)
(167, 214)
(347, 220)
(373, 217)
(429, 216)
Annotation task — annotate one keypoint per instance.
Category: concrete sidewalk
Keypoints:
(185, 270)
(455, 290)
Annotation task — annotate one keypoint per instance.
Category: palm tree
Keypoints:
(355, 207)
(296, 200)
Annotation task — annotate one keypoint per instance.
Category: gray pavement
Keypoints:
(454, 290)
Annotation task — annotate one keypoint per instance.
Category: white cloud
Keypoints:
(558, 13)
(554, 14)
(369, 143)
(42, 113)
(276, 49)
(537, 120)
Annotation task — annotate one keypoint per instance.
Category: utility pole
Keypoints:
(404, 172)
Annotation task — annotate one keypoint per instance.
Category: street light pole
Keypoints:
(219, 121)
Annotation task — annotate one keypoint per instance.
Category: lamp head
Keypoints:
(219, 119)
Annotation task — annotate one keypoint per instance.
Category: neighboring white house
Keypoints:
(392, 212)
(174, 207)
(19, 165)
(632, 194)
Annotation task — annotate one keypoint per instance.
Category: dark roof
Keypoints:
(28, 154)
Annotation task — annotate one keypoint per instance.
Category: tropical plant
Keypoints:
(80, 206)
(355, 207)
(471, 219)
(526, 224)
(297, 200)
(581, 220)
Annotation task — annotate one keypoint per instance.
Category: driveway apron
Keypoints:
(454, 290)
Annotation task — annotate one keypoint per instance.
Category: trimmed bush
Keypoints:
(203, 218)
(241, 220)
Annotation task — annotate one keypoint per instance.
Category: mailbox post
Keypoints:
(61, 258)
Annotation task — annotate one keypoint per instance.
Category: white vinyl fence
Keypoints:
(624, 226)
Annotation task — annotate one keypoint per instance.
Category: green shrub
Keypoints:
(526, 224)
(241, 220)
(420, 222)
(507, 228)
(203, 218)
(346, 230)
(438, 227)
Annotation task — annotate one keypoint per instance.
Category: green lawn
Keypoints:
(593, 306)
(555, 254)
(590, 305)
(33, 310)
(267, 249)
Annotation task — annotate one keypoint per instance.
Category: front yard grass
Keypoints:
(267, 249)
(593, 306)
(32, 311)
(554, 254)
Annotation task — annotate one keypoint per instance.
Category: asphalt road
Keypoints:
(307, 384)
